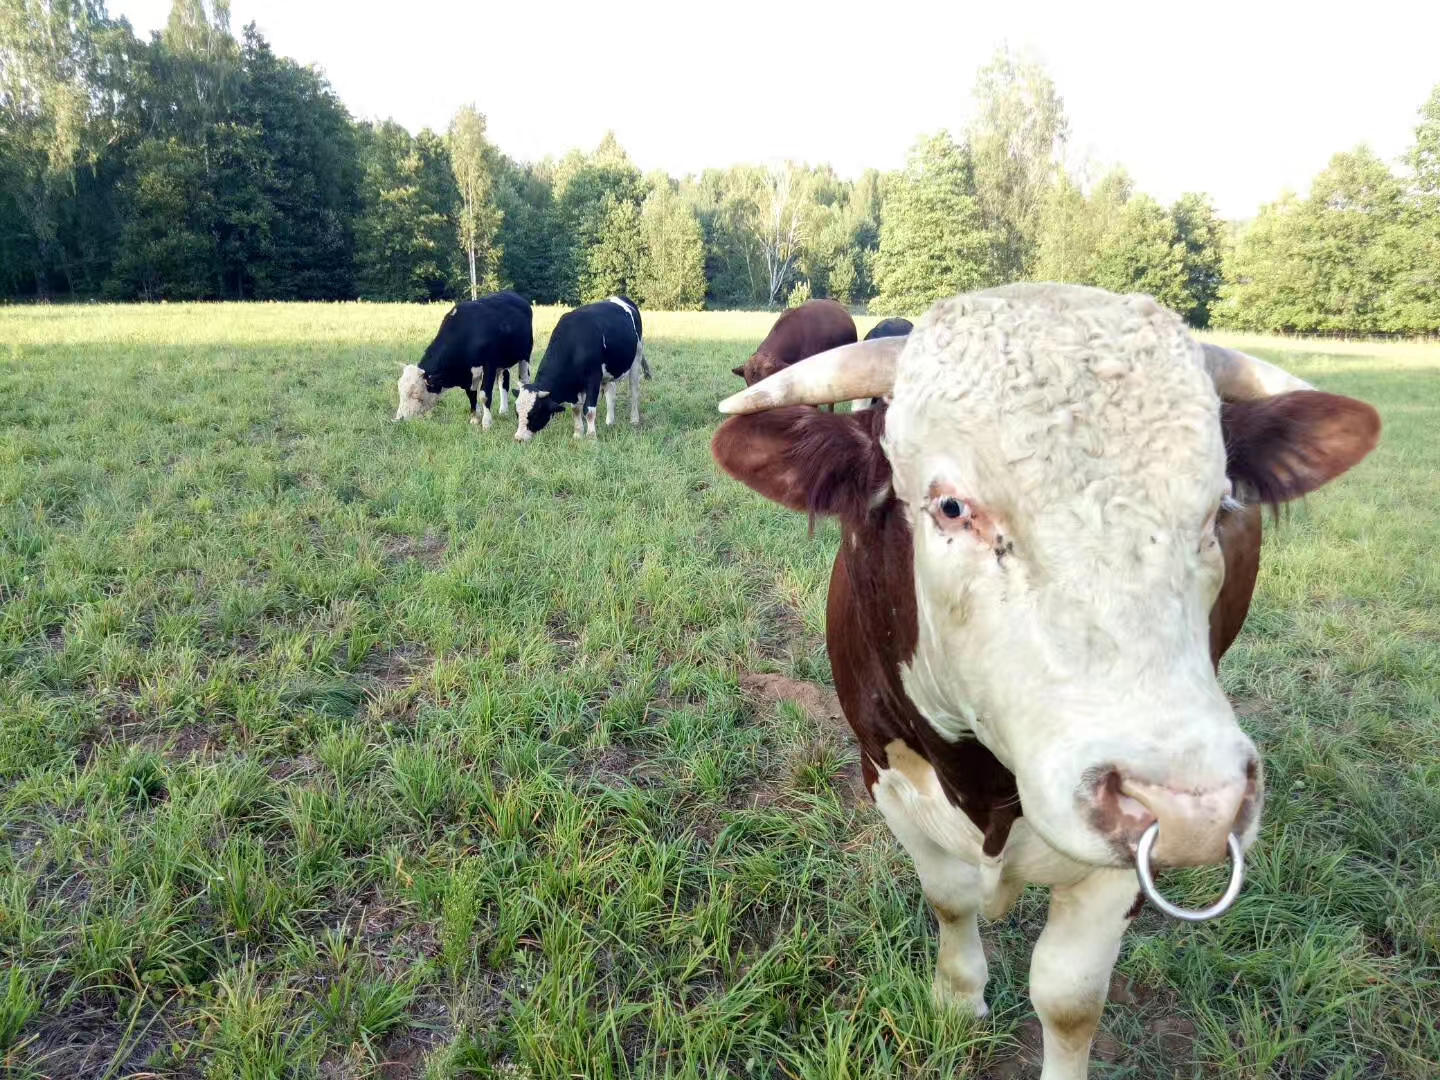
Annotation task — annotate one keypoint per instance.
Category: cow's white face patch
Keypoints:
(525, 400)
(415, 397)
(1060, 454)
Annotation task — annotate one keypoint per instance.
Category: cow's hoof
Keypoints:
(474, 419)
(948, 996)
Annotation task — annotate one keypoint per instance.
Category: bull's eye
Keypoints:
(953, 508)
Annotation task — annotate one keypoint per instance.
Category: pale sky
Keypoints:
(1237, 99)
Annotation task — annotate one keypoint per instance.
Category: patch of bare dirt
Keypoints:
(428, 550)
(1247, 706)
(404, 1058)
(89, 1039)
(1174, 1035)
(559, 631)
(788, 633)
(819, 702)
(833, 746)
(1024, 1061)
(296, 768)
(623, 765)
(394, 669)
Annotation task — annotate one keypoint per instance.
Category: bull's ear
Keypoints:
(738, 371)
(815, 462)
(1283, 447)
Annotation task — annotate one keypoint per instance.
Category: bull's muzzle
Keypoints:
(1195, 825)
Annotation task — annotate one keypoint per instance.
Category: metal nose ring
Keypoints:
(1147, 881)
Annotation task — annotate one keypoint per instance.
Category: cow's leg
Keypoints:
(580, 416)
(524, 370)
(487, 385)
(953, 888)
(1070, 969)
(504, 390)
(610, 403)
(592, 400)
(470, 393)
(634, 396)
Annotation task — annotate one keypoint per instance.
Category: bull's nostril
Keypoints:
(1133, 808)
(1116, 813)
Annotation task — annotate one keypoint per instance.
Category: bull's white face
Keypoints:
(416, 399)
(1062, 463)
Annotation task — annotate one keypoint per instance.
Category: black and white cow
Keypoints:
(476, 339)
(592, 347)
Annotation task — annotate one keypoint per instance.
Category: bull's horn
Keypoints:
(864, 369)
(1239, 376)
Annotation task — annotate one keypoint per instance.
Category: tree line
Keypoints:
(197, 165)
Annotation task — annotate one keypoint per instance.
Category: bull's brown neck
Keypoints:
(872, 631)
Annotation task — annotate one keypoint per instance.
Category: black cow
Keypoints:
(476, 339)
(891, 328)
(592, 347)
(884, 328)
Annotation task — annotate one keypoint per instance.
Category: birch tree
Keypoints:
(479, 216)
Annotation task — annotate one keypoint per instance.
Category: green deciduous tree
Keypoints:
(1328, 263)
(405, 233)
(1203, 234)
(672, 269)
(473, 162)
(933, 242)
(1016, 140)
(1144, 254)
(532, 240)
(612, 260)
(167, 244)
(306, 165)
(53, 119)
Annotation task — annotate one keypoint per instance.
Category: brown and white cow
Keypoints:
(810, 328)
(1041, 565)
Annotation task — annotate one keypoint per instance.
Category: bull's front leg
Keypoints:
(1070, 969)
(610, 403)
(474, 406)
(951, 885)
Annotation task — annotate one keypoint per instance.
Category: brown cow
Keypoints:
(811, 328)
(1041, 564)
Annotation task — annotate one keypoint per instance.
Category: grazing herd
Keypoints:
(591, 349)
(1050, 521)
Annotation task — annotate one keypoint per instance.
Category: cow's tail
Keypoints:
(644, 364)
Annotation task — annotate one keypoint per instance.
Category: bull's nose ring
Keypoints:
(1147, 881)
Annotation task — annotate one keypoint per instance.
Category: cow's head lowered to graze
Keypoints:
(1061, 455)
(416, 396)
(533, 410)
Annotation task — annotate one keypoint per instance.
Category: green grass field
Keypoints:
(336, 748)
